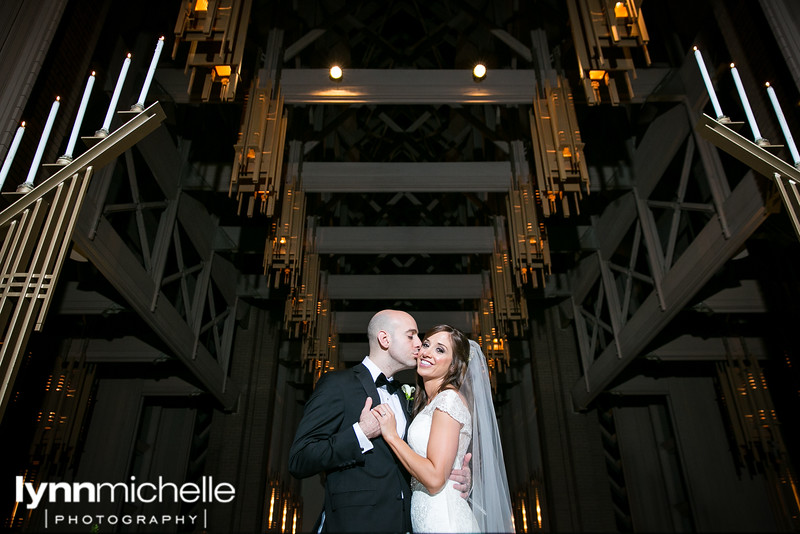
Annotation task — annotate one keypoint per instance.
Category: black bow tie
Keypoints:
(391, 386)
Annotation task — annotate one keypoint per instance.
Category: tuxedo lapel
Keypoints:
(364, 376)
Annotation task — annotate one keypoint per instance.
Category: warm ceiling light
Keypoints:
(597, 74)
(336, 73)
(201, 5)
(479, 72)
(620, 10)
(222, 71)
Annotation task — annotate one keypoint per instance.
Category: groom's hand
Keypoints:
(368, 422)
(463, 477)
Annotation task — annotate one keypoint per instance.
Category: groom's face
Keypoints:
(405, 342)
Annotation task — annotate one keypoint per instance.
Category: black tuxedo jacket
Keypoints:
(363, 492)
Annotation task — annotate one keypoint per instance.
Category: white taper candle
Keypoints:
(73, 138)
(746, 104)
(12, 151)
(707, 79)
(115, 97)
(37, 157)
(150, 72)
(785, 127)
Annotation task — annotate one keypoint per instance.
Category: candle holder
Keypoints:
(63, 160)
(137, 108)
(102, 132)
(25, 188)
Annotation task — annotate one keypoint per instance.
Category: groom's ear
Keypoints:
(383, 339)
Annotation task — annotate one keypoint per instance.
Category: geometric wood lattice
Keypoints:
(37, 238)
(37, 233)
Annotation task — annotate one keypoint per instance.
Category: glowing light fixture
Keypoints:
(479, 72)
(609, 36)
(214, 32)
(222, 71)
(335, 73)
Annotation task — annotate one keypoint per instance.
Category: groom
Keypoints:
(366, 488)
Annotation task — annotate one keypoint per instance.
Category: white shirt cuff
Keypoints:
(363, 440)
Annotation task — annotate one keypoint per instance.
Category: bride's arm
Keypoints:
(432, 471)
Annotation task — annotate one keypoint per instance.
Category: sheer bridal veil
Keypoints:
(491, 501)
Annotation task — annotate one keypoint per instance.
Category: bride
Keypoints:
(453, 415)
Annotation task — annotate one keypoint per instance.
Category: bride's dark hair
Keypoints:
(458, 367)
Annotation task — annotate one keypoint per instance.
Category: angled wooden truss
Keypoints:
(37, 233)
(155, 246)
(654, 254)
(216, 31)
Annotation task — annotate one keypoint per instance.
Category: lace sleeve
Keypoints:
(450, 403)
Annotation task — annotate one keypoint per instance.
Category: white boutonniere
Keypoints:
(408, 391)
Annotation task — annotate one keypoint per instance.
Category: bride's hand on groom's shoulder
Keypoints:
(463, 477)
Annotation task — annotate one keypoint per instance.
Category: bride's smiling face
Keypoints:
(436, 356)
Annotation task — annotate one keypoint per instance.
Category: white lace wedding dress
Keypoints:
(445, 511)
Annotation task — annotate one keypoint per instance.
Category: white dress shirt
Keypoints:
(392, 400)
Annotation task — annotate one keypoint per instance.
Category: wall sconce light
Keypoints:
(479, 72)
(336, 73)
(620, 10)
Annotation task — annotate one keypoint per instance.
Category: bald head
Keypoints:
(383, 320)
(393, 340)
